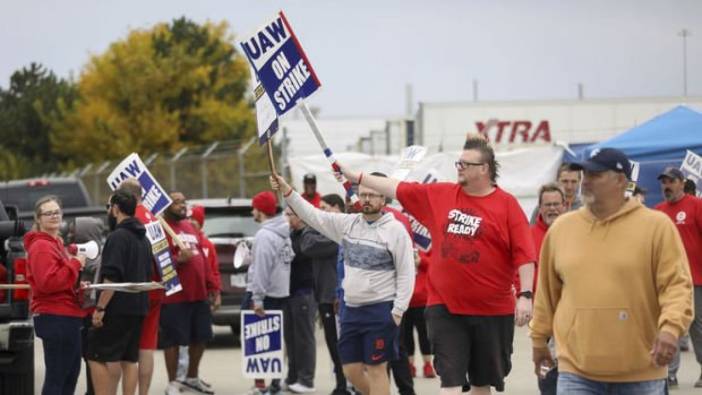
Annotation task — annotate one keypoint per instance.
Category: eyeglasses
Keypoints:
(56, 213)
(368, 196)
(462, 165)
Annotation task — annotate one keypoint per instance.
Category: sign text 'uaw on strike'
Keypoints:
(262, 345)
(280, 63)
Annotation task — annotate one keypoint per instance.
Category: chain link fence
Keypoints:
(220, 169)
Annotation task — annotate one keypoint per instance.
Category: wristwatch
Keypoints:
(526, 294)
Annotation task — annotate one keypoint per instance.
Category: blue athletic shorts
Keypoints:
(368, 334)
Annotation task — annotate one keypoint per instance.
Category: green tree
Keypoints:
(34, 94)
(159, 89)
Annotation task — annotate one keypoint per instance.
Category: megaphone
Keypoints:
(242, 255)
(90, 249)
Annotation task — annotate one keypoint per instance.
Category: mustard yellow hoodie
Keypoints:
(607, 287)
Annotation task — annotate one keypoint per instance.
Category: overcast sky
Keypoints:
(364, 52)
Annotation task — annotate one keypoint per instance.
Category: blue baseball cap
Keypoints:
(672, 173)
(603, 159)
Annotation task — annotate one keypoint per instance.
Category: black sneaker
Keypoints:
(340, 391)
(672, 382)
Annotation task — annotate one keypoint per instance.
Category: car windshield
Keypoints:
(230, 225)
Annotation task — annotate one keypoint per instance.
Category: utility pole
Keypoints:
(684, 33)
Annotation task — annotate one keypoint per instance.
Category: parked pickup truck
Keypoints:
(16, 329)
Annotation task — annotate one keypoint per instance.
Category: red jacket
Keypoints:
(52, 276)
(211, 253)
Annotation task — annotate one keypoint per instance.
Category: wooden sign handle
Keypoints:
(171, 233)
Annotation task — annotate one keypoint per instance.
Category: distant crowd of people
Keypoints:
(605, 284)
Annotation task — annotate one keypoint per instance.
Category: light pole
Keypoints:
(684, 33)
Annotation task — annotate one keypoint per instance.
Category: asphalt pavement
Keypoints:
(221, 366)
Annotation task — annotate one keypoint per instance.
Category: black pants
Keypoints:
(414, 318)
(299, 314)
(275, 304)
(326, 312)
(547, 385)
(400, 367)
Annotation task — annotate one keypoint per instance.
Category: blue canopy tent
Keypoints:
(663, 141)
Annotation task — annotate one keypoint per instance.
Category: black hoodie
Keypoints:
(301, 274)
(127, 258)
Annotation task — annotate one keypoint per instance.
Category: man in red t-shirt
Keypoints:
(480, 237)
(309, 182)
(686, 212)
(186, 318)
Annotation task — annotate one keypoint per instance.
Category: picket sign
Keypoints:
(262, 345)
(156, 200)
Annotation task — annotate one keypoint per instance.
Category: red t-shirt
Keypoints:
(146, 217)
(686, 213)
(420, 294)
(538, 232)
(314, 199)
(195, 275)
(477, 244)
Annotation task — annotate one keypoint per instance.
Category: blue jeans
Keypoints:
(60, 336)
(571, 384)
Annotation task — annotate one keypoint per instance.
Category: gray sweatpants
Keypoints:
(695, 335)
(299, 338)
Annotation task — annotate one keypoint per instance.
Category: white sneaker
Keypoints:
(194, 383)
(174, 388)
(300, 388)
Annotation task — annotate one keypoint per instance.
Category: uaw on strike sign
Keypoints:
(284, 72)
(154, 198)
(262, 345)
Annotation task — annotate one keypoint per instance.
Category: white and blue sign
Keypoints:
(281, 64)
(266, 117)
(262, 345)
(692, 169)
(154, 197)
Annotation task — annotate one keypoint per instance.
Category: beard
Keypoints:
(111, 222)
(668, 194)
(177, 215)
(370, 210)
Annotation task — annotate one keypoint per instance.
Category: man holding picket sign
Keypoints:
(186, 318)
(379, 267)
(133, 176)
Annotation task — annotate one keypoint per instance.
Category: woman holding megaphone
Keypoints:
(53, 277)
